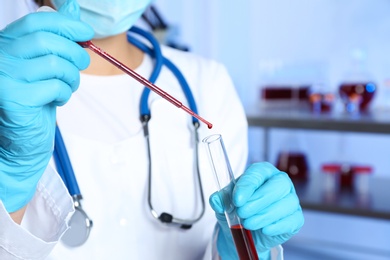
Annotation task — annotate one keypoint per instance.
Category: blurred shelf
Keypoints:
(373, 204)
(370, 122)
(311, 194)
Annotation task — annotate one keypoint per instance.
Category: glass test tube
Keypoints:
(225, 180)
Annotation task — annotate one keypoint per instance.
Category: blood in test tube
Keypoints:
(244, 243)
(226, 181)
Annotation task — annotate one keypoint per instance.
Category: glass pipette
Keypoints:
(142, 80)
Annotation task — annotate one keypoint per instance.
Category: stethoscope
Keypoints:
(80, 224)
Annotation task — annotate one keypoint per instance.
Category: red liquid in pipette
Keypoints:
(244, 243)
(142, 80)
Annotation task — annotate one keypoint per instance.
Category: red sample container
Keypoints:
(294, 164)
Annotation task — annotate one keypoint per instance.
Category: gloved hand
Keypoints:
(39, 69)
(266, 201)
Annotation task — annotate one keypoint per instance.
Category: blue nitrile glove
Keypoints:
(268, 205)
(39, 69)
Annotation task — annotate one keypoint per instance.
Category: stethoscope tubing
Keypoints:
(145, 116)
(64, 165)
(160, 61)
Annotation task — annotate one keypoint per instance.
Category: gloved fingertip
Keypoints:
(271, 230)
(216, 203)
(70, 8)
(241, 194)
(84, 62)
(238, 199)
(287, 226)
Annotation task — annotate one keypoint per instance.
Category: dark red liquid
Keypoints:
(361, 92)
(244, 243)
(346, 177)
(285, 92)
(346, 173)
(320, 102)
(141, 79)
(294, 164)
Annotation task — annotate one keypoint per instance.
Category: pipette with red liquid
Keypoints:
(133, 74)
(142, 80)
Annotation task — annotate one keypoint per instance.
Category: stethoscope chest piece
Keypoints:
(79, 227)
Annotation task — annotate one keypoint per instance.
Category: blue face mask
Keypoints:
(109, 17)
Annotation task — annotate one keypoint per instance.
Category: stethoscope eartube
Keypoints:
(165, 217)
(80, 223)
(145, 116)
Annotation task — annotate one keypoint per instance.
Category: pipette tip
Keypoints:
(209, 125)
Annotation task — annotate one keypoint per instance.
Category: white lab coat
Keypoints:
(104, 138)
(102, 130)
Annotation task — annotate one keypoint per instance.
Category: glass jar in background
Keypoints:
(351, 176)
(362, 176)
(294, 163)
(349, 179)
(321, 99)
(357, 86)
(331, 177)
(346, 177)
(286, 84)
(283, 95)
(330, 181)
(291, 157)
(357, 96)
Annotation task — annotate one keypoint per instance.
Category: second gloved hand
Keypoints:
(39, 69)
(266, 201)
